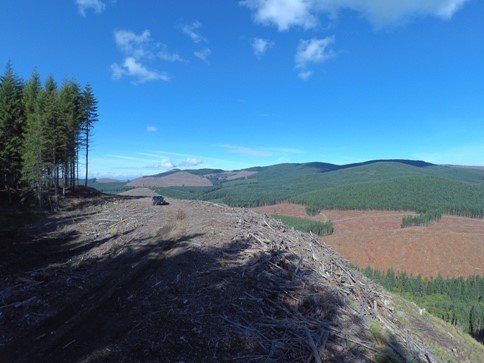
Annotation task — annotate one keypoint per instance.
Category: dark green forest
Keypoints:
(430, 190)
(458, 301)
(45, 132)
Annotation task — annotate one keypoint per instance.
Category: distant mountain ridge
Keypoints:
(376, 184)
(242, 173)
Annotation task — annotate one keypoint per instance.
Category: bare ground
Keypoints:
(451, 247)
(112, 279)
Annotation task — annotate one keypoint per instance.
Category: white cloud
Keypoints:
(192, 30)
(97, 5)
(132, 166)
(131, 67)
(203, 54)
(134, 45)
(260, 46)
(139, 49)
(190, 162)
(167, 164)
(151, 128)
(285, 14)
(312, 51)
(187, 163)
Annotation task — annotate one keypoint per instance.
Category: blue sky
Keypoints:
(233, 84)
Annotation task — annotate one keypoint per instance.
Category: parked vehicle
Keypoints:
(159, 200)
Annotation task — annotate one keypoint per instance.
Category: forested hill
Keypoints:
(376, 184)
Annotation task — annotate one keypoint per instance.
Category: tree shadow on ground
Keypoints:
(170, 301)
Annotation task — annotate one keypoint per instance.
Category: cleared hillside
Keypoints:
(110, 279)
(178, 179)
(451, 247)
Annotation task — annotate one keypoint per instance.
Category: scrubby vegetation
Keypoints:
(458, 301)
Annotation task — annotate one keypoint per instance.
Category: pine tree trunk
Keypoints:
(87, 154)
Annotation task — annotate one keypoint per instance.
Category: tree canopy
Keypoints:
(43, 128)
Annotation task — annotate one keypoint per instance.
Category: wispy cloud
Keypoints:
(140, 49)
(167, 56)
(312, 51)
(203, 54)
(133, 68)
(192, 31)
(260, 151)
(97, 5)
(151, 128)
(135, 165)
(187, 163)
(152, 162)
(260, 46)
(285, 14)
(126, 157)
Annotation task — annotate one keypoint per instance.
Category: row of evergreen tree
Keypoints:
(43, 130)
(423, 218)
(456, 300)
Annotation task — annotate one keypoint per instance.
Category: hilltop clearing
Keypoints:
(450, 247)
(179, 179)
(112, 279)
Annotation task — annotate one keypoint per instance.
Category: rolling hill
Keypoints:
(377, 184)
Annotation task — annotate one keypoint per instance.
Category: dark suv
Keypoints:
(158, 200)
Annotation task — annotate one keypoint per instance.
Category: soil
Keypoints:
(451, 247)
(116, 279)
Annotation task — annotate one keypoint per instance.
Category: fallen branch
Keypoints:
(312, 345)
(19, 304)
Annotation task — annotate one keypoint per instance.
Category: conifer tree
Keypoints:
(49, 113)
(34, 139)
(70, 121)
(12, 123)
(42, 130)
(90, 116)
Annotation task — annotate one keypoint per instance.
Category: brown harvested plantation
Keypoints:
(451, 247)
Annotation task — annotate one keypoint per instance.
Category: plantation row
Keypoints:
(458, 301)
(42, 132)
(404, 193)
(422, 219)
(305, 225)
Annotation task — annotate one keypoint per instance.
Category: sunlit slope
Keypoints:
(379, 184)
